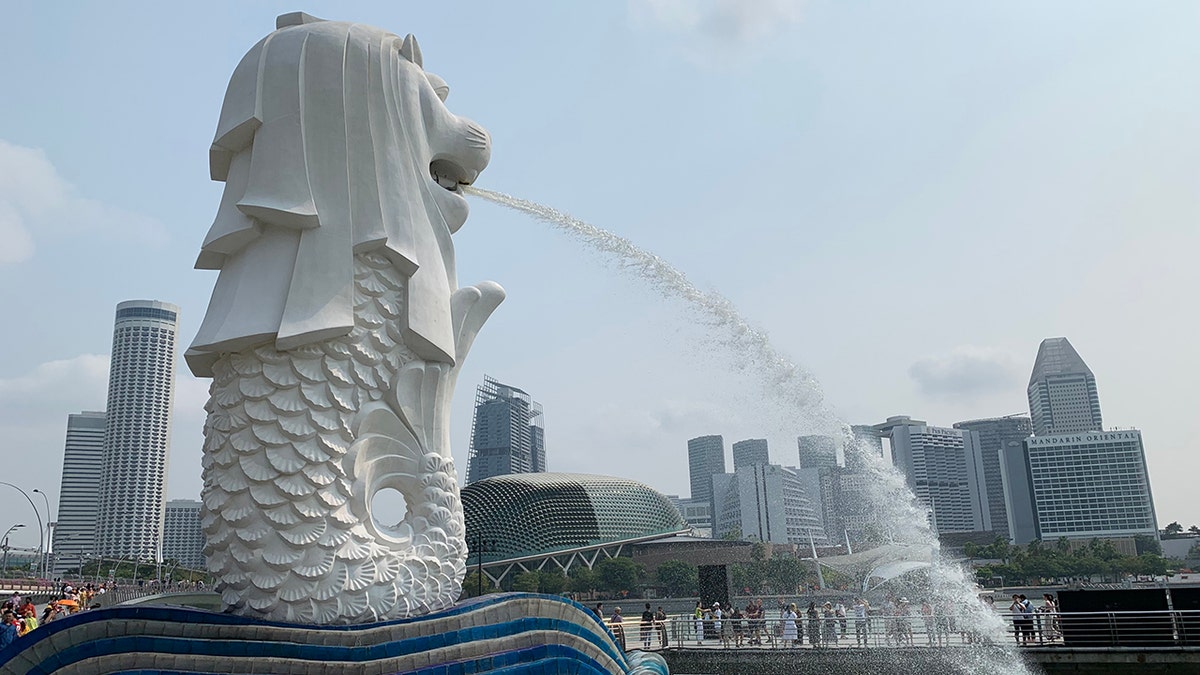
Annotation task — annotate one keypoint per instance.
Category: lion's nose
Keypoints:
(476, 147)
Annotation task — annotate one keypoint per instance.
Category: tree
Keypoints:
(1144, 543)
(471, 585)
(552, 582)
(526, 582)
(1194, 529)
(679, 578)
(999, 549)
(583, 579)
(1173, 528)
(1154, 564)
(758, 552)
(784, 574)
(1193, 552)
(617, 574)
(971, 549)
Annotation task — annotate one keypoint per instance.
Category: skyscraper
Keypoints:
(1072, 479)
(141, 387)
(817, 452)
(1062, 391)
(79, 491)
(183, 540)
(750, 452)
(944, 468)
(768, 503)
(507, 433)
(994, 434)
(1080, 486)
(706, 458)
(864, 441)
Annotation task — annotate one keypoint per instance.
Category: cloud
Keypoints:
(966, 372)
(719, 22)
(34, 406)
(33, 420)
(82, 379)
(34, 198)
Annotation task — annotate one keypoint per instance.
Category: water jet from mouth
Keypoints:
(787, 386)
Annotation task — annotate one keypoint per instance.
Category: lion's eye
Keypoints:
(439, 86)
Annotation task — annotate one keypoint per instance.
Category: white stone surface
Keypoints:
(336, 328)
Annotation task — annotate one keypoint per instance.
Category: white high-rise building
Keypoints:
(1062, 391)
(1079, 486)
(141, 387)
(183, 540)
(944, 469)
(79, 491)
(767, 503)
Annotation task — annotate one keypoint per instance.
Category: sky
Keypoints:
(906, 197)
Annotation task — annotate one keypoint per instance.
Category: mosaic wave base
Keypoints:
(509, 634)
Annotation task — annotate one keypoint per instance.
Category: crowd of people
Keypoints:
(652, 625)
(897, 622)
(1032, 624)
(19, 615)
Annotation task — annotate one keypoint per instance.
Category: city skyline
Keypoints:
(822, 162)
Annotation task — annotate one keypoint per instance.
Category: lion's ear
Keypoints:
(411, 50)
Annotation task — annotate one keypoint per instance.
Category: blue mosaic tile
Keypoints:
(454, 631)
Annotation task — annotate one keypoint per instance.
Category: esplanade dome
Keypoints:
(530, 514)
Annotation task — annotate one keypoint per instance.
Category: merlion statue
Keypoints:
(336, 328)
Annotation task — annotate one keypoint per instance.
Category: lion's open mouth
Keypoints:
(448, 174)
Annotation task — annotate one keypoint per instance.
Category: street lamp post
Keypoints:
(49, 535)
(481, 546)
(41, 540)
(5, 545)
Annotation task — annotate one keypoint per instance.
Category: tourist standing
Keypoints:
(791, 622)
(927, 618)
(942, 624)
(829, 634)
(904, 623)
(699, 622)
(738, 625)
(8, 629)
(717, 615)
(1017, 609)
(660, 619)
(617, 623)
(861, 612)
(1027, 618)
(1049, 612)
(647, 626)
(814, 624)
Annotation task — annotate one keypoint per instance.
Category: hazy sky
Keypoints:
(906, 196)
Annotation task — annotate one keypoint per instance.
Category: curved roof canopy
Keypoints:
(534, 513)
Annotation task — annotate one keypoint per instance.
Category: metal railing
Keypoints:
(1175, 628)
(1156, 628)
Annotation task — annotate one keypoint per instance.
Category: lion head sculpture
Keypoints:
(333, 141)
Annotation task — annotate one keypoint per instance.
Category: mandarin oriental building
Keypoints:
(1082, 486)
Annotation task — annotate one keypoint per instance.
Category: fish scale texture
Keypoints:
(289, 530)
